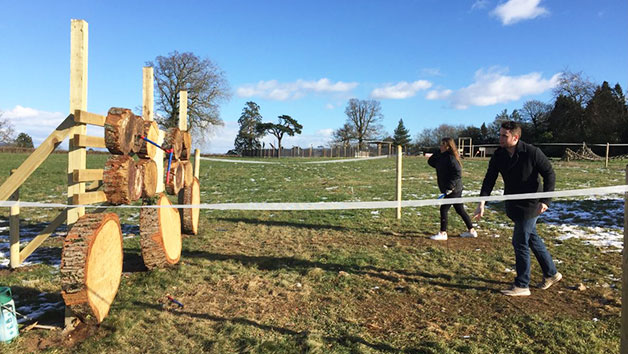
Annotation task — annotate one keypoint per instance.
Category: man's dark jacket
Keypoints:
(521, 175)
(448, 171)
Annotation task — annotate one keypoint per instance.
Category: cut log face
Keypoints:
(148, 169)
(91, 265)
(138, 184)
(176, 180)
(119, 179)
(186, 151)
(174, 140)
(190, 195)
(137, 138)
(151, 131)
(160, 234)
(120, 131)
(188, 173)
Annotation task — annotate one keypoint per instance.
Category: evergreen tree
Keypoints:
(566, 122)
(286, 125)
(401, 135)
(24, 140)
(248, 137)
(605, 116)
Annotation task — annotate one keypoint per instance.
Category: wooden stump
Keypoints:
(174, 140)
(138, 121)
(91, 265)
(190, 195)
(120, 131)
(120, 180)
(151, 131)
(160, 234)
(148, 169)
(176, 180)
(188, 173)
(186, 150)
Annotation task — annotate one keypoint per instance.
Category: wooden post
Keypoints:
(390, 149)
(624, 269)
(311, 146)
(607, 150)
(379, 149)
(197, 163)
(14, 230)
(159, 160)
(147, 93)
(78, 101)
(399, 168)
(183, 111)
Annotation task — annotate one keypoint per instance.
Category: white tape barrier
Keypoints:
(345, 205)
(348, 160)
(239, 161)
(309, 162)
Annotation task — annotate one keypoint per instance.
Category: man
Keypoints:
(520, 165)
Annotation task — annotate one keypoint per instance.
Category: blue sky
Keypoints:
(427, 61)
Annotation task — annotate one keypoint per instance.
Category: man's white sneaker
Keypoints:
(547, 282)
(516, 291)
(441, 236)
(469, 234)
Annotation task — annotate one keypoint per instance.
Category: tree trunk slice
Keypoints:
(138, 183)
(120, 131)
(148, 169)
(160, 234)
(119, 179)
(188, 173)
(137, 138)
(176, 180)
(174, 140)
(91, 265)
(186, 151)
(190, 195)
(151, 131)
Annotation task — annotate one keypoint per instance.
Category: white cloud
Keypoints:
(479, 4)
(438, 94)
(37, 124)
(275, 90)
(514, 11)
(493, 86)
(431, 72)
(329, 106)
(400, 90)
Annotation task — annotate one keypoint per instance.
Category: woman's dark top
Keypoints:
(448, 171)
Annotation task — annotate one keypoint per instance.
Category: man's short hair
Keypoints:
(513, 127)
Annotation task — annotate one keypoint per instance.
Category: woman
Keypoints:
(449, 174)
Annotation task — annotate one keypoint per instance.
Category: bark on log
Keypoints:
(188, 173)
(120, 131)
(138, 121)
(176, 180)
(174, 140)
(186, 150)
(190, 195)
(91, 265)
(151, 131)
(119, 179)
(148, 169)
(160, 234)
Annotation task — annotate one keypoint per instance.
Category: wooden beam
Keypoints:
(36, 158)
(159, 161)
(14, 231)
(39, 239)
(87, 175)
(197, 164)
(183, 111)
(85, 117)
(624, 282)
(84, 141)
(89, 198)
(147, 93)
(399, 170)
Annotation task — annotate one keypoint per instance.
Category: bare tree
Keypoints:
(364, 116)
(7, 133)
(205, 83)
(575, 86)
(344, 135)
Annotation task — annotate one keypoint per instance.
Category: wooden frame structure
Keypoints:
(74, 126)
(465, 146)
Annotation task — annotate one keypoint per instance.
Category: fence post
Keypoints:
(399, 169)
(624, 276)
(14, 230)
(607, 150)
(197, 164)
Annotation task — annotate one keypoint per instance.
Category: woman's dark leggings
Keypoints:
(444, 209)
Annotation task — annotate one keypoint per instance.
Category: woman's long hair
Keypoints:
(451, 147)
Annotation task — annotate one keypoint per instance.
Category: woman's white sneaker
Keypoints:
(441, 236)
(471, 233)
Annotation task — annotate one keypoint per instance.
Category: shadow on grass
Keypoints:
(301, 337)
(133, 262)
(256, 222)
(302, 265)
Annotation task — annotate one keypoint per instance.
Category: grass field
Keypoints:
(348, 281)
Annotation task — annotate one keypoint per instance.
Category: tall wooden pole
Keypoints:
(183, 111)
(147, 93)
(624, 272)
(607, 150)
(399, 169)
(78, 101)
(14, 230)
(197, 164)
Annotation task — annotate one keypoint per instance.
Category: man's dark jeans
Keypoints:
(525, 238)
